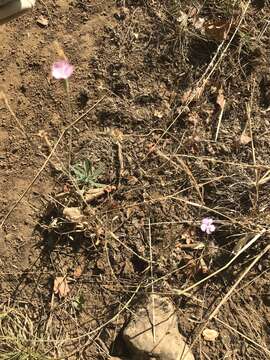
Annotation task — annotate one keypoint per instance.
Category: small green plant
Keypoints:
(86, 175)
(78, 302)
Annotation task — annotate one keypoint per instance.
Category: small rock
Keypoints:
(168, 343)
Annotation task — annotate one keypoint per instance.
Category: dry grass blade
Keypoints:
(221, 102)
(152, 278)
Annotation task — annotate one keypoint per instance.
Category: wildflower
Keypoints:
(207, 226)
(62, 69)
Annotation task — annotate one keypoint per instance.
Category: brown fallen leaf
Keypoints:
(192, 94)
(221, 103)
(116, 134)
(42, 21)
(203, 267)
(245, 139)
(199, 23)
(188, 235)
(220, 98)
(61, 287)
(217, 30)
(78, 271)
(210, 334)
(93, 194)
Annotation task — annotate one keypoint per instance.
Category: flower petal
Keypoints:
(204, 227)
(62, 69)
(206, 221)
(210, 229)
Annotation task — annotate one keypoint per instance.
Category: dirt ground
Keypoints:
(171, 102)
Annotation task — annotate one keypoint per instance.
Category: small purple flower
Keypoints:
(62, 69)
(208, 226)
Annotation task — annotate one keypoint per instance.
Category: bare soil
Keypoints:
(178, 120)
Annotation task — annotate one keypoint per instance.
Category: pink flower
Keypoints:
(207, 226)
(62, 69)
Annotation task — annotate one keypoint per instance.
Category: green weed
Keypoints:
(86, 175)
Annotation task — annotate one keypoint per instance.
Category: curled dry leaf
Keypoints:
(220, 98)
(203, 267)
(192, 94)
(93, 194)
(245, 139)
(210, 334)
(116, 134)
(78, 271)
(43, 21)
(199, 23)
(61, 287)
(217, 30)
(73, 214)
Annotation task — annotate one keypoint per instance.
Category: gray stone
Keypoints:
(155, 334)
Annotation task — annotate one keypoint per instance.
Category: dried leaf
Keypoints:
(78, 271)
(93, 194)
(210, 334)
(182, 19)
(66, 188)
(192, 94)
(128, 268)
(116, 134)
(73, 214)
(217, 30)
(193, 118)
(199, 23)
(61, 287)
(221, 99)
(43, 21)
(245, 139)
(158, 114)
(203, 266)
(188, 235)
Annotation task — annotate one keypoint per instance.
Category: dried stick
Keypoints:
(152, 278)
